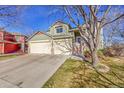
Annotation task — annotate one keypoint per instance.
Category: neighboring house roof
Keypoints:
(2, 29)
(39, 36)
(15, 33)
(12, 33)
(18, 34)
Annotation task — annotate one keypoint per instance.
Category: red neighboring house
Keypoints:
(12, 42)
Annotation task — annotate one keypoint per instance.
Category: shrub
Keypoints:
(114, 50)
(87, 54)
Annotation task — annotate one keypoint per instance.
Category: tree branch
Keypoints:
(92, 12)
(69, 15)
(113, 20)
(105, 13)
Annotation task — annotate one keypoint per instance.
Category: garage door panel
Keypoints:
(62, 47)
(40, 47)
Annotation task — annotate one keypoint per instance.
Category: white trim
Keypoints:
(40, 41)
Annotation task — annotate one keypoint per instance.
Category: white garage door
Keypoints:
(62, 47)
(40, 47)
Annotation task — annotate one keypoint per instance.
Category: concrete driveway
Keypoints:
(29, 71)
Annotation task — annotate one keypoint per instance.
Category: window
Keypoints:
(78, 39)
(59, 29)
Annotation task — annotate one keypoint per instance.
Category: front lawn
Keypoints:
(76, 74)
(7, 57)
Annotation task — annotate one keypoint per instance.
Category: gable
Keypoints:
(53, 28)
(40, 36)
(60, 23)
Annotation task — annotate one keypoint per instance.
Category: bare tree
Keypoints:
(94, 18)
(116, 29)
(9, 15)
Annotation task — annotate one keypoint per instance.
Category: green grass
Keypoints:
(7, 57)
(76, 74)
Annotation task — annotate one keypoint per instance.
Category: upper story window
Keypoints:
(78, 39)
(59, 29)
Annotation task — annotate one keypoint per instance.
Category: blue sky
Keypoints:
(37, 18)
(30, 18)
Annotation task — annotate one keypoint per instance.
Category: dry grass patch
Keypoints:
(77, 74)
(7, 57)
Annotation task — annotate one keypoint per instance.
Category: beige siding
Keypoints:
(53, 29)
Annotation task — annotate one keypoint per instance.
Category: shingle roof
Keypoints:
(42, 37)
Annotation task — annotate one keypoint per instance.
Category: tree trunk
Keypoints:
(95, 59)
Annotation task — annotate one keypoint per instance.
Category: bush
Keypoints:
(114, 50)
(87, 54)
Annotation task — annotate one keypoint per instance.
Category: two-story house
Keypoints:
(60, 39)
(11, 42)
